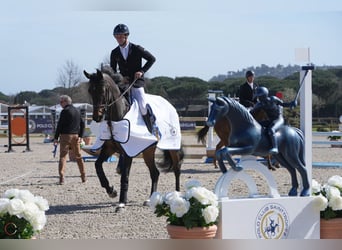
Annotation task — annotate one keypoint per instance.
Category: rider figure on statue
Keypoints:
(126, 59)
(273, 107)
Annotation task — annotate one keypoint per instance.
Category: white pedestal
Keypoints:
(268, 218)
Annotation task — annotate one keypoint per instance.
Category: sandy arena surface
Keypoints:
(84, 211)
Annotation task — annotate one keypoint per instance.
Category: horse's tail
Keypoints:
(201, 135)
(166, 163)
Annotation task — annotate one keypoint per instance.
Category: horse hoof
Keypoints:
(112, 193)
(237, 168)
(120, 208)
(305, 192)
(293, 192)
(146, 203)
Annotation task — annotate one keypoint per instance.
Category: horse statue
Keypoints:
(223, 129)
(247, 137)
(110, 104)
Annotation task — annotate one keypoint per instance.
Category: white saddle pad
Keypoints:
(132, 132)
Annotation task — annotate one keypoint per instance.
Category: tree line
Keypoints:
(189, 94)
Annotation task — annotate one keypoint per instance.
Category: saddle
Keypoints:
(133, 135)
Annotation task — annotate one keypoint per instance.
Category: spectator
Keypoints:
(69, 131)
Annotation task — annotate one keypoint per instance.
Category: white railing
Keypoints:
(327, 141)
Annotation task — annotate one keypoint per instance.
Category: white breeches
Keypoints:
(139, 95)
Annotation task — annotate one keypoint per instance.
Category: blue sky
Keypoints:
(189, 38)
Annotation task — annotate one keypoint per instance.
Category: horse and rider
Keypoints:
(249, 137)
(127, 124)
(127, 59)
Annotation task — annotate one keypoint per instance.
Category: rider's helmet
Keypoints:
(261, 93)
(249, 73)
(121, 29)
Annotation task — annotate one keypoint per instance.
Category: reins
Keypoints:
(122, 94)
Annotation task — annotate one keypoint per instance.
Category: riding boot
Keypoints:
(149, 119)
(274, 142)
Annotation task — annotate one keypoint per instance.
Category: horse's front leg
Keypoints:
(102, 176)
(125, 169)
(223, 154)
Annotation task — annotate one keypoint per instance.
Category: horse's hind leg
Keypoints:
(149, 159)
(218, 147)
(292, 171)
(102, 177)
(176, 166)
(303, 173)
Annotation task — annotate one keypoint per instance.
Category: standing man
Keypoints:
(128, 57)
(247, 91)
(69, 130)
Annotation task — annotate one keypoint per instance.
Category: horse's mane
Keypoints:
(235, 105)
(116, 77)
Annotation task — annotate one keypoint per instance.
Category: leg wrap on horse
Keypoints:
(149, 118)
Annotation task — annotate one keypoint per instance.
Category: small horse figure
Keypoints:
(270, 230)
(223, 130)
(248, 137)
(111, 105)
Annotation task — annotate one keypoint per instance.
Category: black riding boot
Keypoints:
(149, 119)
(274, 142)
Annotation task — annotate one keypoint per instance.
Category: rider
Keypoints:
(273, 107)
(128, 57)
(247, 91)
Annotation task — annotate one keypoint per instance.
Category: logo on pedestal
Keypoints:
(272, 222)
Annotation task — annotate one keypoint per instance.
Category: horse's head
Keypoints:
(97, 90)
(218, 109)
(106, 95)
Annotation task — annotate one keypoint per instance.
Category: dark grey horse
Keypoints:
(248, 137)
(111, 105)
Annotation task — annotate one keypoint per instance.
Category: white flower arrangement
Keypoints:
(328, 197)
(198, 207)
(22, 214)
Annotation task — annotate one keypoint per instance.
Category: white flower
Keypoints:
(335, 181)
(315, 187)
(335, 202)
(11, 193)
(179, 206)
(41, 203)
(38, 221)
(332, 191)
(25, 195)
(320, 202)
(210, 214)
(169, 197)
(203, 195)
(15, 207)
(3, 205)
(197, 208)
(155, 199)
(192, 183)
(23, 204)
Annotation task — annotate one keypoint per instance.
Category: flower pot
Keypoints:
(179, 232)
(331, 229)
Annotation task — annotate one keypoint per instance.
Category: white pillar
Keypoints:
(210, 142)
(306, 115)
